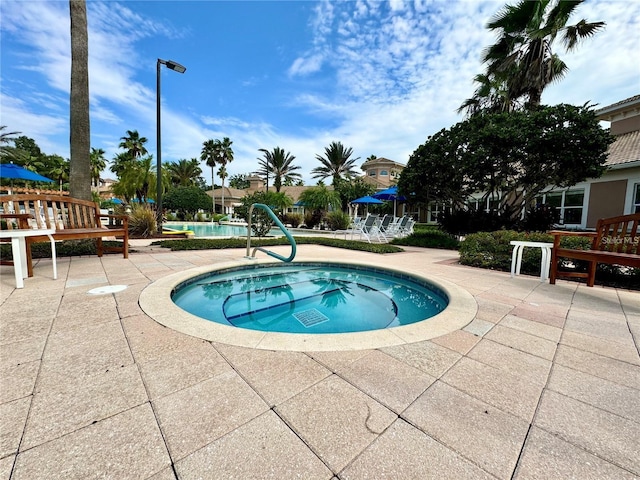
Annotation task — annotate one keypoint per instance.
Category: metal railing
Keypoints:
(280, 226)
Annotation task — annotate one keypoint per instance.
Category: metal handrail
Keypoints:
(280, 226)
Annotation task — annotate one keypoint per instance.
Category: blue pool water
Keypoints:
(211, 229)
(310, 298)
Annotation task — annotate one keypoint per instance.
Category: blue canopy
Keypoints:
(9, 170)
(366, 200)
(390, 193)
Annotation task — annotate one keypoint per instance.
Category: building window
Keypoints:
(372, 173)
(434, 211)
(384, 172)
(569, 205)
(636, 199)
(487, 205)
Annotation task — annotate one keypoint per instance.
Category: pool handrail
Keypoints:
(280, 226)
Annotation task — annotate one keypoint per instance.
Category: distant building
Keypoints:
(381, 172)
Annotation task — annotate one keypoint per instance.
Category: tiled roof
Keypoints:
(625, 149)
(620, 103)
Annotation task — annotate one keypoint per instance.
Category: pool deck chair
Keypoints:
(367, 228)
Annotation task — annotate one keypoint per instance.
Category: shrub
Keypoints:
(312, 218)
(429, 238)
(539, 219)
(492, 250)
(142, 221)
(293, 219)
(464, 222)
(338, 220)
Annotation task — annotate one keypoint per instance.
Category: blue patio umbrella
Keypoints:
(12, 171)
(390, 193)
(366, 200)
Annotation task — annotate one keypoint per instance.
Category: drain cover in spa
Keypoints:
(107, 289)
(308, 318)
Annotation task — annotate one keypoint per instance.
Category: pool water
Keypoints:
(211, 229)
(310, 298)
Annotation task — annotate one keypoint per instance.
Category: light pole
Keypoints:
(176, 67)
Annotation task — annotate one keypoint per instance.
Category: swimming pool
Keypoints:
(210, 229)
(312, 298)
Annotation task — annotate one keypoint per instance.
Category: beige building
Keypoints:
(381, 172)
(617, 191)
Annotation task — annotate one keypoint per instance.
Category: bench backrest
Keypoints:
(53, 211)
(618, 234)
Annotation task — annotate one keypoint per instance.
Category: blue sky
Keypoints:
(380, 77)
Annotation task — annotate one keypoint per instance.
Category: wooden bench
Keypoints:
(616, 241)
(71, 218)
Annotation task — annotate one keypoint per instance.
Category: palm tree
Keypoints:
(208, 155)
(184, 172)
(280, 165)
(57, 168)
(98, 164)
(5, 139)
(335, 163)
(137, 180)
(225, 156)
(120, 162)
(523, 54)
(492, 96)
(222, 174)
(133, 143)
(80, 175)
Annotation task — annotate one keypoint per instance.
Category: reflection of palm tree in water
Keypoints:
(334, 292)
(217, 290)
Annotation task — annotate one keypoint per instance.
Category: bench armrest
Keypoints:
(23, 218)
(117, 217)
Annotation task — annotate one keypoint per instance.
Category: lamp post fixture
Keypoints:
(176, 67)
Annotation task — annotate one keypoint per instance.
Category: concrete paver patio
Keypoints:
(544, 382)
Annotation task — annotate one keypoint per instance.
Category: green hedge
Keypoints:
(492, 250)
(429, 238)
(210, 243)
(68, 248)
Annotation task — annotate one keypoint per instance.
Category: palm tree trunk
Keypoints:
(213, 200)
(80, 133)
(223, 210)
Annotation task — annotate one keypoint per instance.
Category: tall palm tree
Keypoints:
(6, 138)
(133, 143)
(335, 163)
(280, 164)
(222, 174)
(184, 172)
(524, 51)
(98, 164)
(224, 156)
(80, 177)
(492, 96)
(120, 162)
(209, 155)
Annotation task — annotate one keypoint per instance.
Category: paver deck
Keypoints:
(543, 383)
